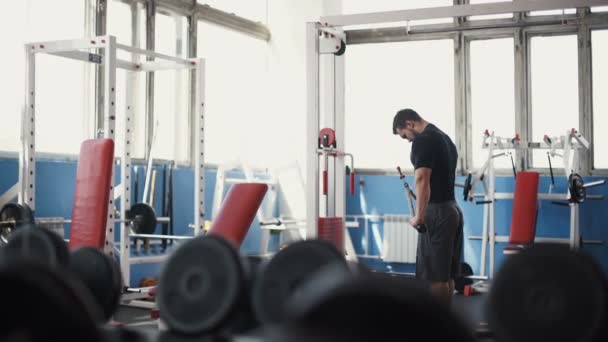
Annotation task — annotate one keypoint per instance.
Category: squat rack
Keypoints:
(87, 50)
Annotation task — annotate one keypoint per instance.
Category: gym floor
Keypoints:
(469, 309)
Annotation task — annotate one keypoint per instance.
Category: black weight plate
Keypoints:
(31, 243)
(21, 214)
(144, 218)
(122, 334)
(330, 306)
(201, 285)
(577, 190)
(548, 293)
(43, 304)
(62, 252)
(281, 276)
(99, 274)
(462, 281)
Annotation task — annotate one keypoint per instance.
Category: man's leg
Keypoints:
(441, 291)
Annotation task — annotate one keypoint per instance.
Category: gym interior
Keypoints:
(201, 170)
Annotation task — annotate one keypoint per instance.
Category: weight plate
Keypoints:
(31, 243)
(44, 304)
(330, 305)
(144, 218)
(20, 214)
(201, 285)
(462, 281)
(62, 252)
(282, 275)
(578, 193)
(548, 293)
(101, 276)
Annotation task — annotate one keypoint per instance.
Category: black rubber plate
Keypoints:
(289, 268)
(101, 276)
(200, 285)
(548, 293)
(45, 305)
(144, 218)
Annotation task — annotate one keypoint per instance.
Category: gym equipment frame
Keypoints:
(572, 144)
(84, 50)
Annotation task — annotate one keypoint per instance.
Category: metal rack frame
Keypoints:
(87, 50)
(572, 144)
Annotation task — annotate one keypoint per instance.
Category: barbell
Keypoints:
(141, 216)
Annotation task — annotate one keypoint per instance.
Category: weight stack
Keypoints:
(332, 229)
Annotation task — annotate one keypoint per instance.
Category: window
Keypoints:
(63, 117)
(554, 73)
(251, 9)
(599, 9)
(171, 93)
(599, 44)
(364, 6)
(489, 16)
(384, 78)
(238, 123)
(119, 24)
(12, 29)
(554, 12)
(492, 95)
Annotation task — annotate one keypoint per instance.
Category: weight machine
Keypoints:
(571, 145)
(88, 50)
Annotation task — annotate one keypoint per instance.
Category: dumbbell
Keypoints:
(44, 303)
(280, 277)
(340, 304)
(203, 289)
(549, 293)
(36, 244)
(206, 289)
(97, 271)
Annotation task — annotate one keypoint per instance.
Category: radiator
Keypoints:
(400, 240)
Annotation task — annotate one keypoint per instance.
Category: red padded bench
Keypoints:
(523, 216)
(91, 196)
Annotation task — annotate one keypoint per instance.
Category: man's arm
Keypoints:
(423, 191)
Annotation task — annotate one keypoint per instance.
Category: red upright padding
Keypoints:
(332, 229)
(525, 204)
(92, 193)
(238, 211)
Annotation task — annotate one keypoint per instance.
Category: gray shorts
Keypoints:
(440, 247)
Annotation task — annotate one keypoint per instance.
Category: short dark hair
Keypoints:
(402, 116)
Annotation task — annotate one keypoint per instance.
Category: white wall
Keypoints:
(287, 75)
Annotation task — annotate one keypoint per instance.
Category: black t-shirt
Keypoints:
(435, 150)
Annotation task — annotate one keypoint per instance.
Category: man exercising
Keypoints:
(434, 157)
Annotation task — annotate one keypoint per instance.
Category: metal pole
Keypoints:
(150, 45)
(109, 124)
(339, 164)
(492, 207)
(125, 174)
(585, 90)
(101, 9)
(522, 106)
(199, 160)
(192, 53)
(27, 161)
(312, 131)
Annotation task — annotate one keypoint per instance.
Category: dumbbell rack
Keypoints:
(89, 50)
(572, 143)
